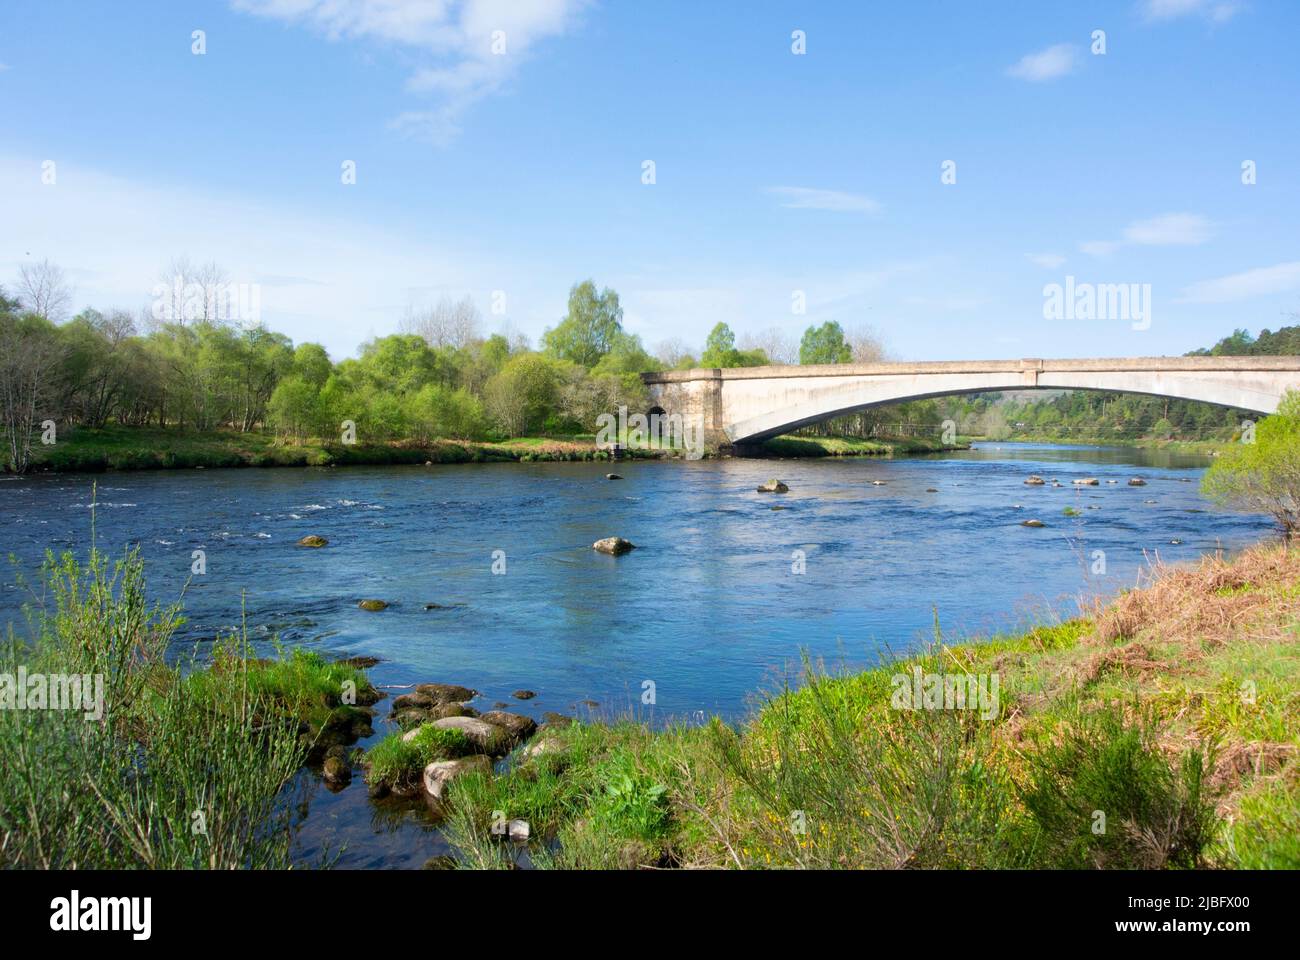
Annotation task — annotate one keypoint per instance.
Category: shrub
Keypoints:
(1101, 794)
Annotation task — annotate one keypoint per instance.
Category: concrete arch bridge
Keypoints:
(743, 405)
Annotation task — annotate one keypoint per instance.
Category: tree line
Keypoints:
(189, 366)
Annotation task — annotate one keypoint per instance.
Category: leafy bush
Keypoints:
(1101, 794)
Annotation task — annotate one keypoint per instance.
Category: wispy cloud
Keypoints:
(1048, 261)
(1169, 229)
(1166, 230)
(808, 198)
(1217, 11)
(1055, 61)
(471, 47)
(1262, 281)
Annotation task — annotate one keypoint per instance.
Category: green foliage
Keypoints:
(398, 763)
(170, 775)
(1101, 794)
(590, 328)
(720, 351)
(632, 803)
(1263, 476)
(825, 344)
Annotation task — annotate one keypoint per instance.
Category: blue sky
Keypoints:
(521, 171)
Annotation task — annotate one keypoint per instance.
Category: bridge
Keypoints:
(741, 405)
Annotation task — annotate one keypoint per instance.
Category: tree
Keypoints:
(588, 330)
(824, 344)
(773, 343)
(1263, 476)
(44, 291)
(720, 351)
(520, 397)
(865, 345)
(448, 324)
(30, 358)
(192, 293)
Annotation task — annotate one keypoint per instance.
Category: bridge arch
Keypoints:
(745, 405)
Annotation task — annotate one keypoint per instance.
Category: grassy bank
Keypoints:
(150, 448)
(1159, 731)
(1209, 448)
(848, 447)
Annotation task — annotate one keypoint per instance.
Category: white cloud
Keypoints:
(807, 198)
(1055, 61)
(1170, 229)
(1048, 261)
(1098, 248)
(1262, 281)
(1218, 12)
(1166, 230)
(472, 47)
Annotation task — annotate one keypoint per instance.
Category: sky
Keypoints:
(926, 169)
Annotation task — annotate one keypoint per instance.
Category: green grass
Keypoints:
(147, 448)
(172, 774)
(397, 764)
(848, 447)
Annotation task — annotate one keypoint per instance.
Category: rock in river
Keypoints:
(523, 694)
(1035, 481)
(312, 540)
(613, 546)
(487, 737)
(336, 770)
(774, 486)
(517, 725)
(1086, 481)
(1136, 482)
(612, 476)
(446, 692)
(440, 773)
(1032, 523)
(373, 605)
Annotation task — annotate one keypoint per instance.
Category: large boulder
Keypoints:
(311, 540)
(446, 692)
(774, 486)
(486, 737)
(440, 773)
(614, 546)
(1086, 481)
(373, 605)
(517, 725)
(1035, 481)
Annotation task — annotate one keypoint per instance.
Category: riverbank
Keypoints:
(150, 448)
(83, 450)
(1158, 731)
(1208, 448)
(799, 447)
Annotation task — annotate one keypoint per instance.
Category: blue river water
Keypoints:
(709, 607)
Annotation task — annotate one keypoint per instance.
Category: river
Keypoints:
(708, 608)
